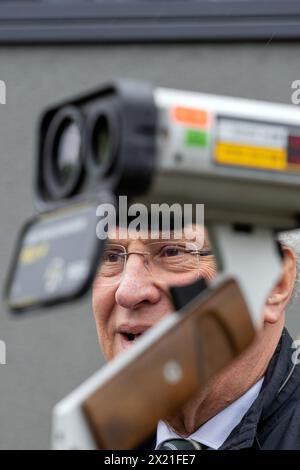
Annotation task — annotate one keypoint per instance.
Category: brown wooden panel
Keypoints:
(125, 410)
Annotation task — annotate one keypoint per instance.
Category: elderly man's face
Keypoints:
(127, 303)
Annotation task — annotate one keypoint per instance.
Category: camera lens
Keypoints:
(101, 142)
(67, 156)
(102, 139)
(62, 167)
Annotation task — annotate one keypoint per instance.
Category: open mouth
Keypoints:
(131, 336)
(131, 333)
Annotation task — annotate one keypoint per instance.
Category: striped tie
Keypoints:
(180, 444)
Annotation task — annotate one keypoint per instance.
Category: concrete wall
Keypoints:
(49, 353)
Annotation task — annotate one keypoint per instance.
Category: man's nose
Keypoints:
(136, 285)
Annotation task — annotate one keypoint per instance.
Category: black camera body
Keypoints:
(103, 141)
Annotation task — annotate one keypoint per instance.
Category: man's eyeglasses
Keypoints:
(174, 263)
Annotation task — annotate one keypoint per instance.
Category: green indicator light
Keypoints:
(195, 138)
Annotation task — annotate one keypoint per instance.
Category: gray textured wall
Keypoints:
(49, 353)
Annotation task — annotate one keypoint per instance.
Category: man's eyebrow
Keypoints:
(125, 242)
(202, 239)
(117, 241)
(149, 239)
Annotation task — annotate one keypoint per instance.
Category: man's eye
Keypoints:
(170, 251)
(111, 257)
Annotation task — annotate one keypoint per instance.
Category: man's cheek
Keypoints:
(209, 272)
(103, 302)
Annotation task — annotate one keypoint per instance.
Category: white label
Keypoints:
(264, 135)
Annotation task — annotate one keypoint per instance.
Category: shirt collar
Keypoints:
(215, 431)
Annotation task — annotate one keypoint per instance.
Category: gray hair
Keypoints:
(292, 240)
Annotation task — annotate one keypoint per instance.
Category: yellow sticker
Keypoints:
(30, 254)
(267, 158)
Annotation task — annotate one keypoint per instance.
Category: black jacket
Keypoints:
(273, 420)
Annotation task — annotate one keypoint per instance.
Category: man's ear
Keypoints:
(282, 292)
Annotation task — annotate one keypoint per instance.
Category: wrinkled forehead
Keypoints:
(191, 233)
